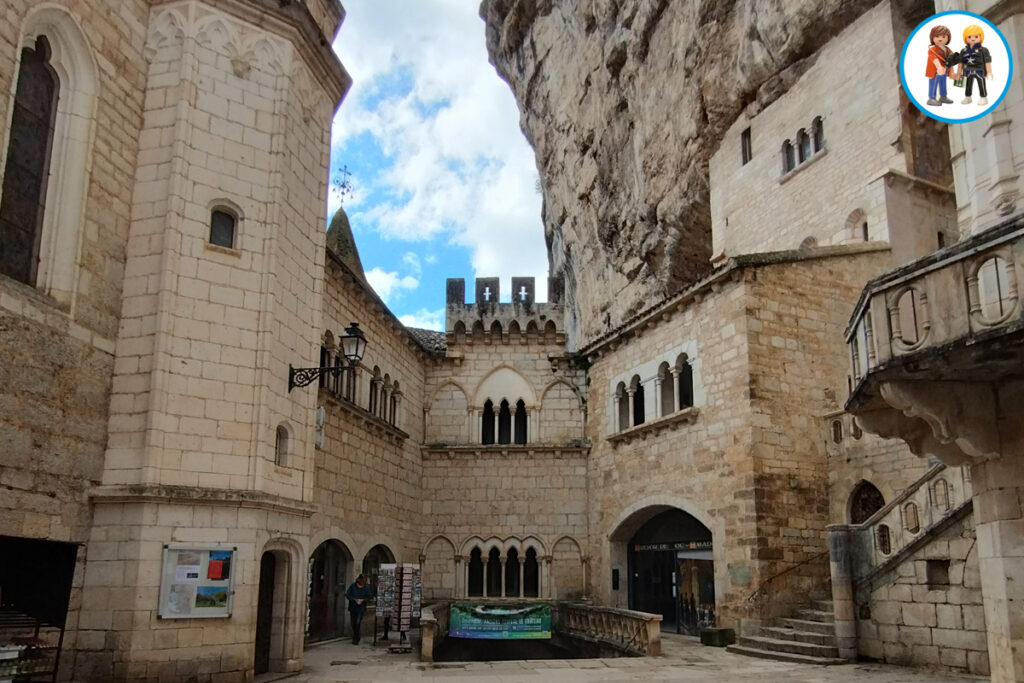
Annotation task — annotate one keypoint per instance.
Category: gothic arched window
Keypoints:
(685, 383)
(504, 423)
(531, 574)
(487, 424)
(476, 574)
(520, 426)
(512, 573)
(23, 200)
(865, 501)
(494, 572)
(638, 401)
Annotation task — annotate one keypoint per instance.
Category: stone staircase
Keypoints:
(809, 636)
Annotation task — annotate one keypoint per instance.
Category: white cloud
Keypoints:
(458, 168)
(428, 320)
(388, 283)
(411, 260)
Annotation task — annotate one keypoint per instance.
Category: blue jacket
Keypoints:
(354, 593)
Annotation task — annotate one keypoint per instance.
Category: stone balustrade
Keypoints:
(952, 297)
(634, 632)
(433, 629)
(908, 518)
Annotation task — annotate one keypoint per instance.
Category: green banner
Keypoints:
(511, 622)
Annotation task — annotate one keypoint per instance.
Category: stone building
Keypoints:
(165, 271)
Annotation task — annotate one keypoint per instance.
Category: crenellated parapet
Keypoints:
(487, 320)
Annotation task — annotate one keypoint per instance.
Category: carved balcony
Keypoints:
(931, 341)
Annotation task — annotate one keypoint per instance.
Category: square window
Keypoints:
(937, 574)
(222, 229)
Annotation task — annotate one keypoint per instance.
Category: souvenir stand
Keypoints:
(399, 596)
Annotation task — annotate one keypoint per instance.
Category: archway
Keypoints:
(328, 574)
(374, 558)
(274, 603)
(865, 501)
(670, 567)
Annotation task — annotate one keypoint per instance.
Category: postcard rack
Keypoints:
(29, 647)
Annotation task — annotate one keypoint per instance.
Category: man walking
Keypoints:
(358, 593)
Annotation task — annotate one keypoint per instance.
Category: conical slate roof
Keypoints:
(343, 244)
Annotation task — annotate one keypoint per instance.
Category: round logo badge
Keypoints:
(956, 66)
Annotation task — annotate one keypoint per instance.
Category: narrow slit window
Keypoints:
(222, 229)
(746, 154)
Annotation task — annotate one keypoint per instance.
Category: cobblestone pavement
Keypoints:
(685, 659)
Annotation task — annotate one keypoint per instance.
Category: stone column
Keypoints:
(529, 427)
(502, 559)
(522, 567)
(657, 396)
(473, 416)
(485, 560)
(615, 411)
(675, 390)
(630, 418)
(842, 590)
(459, 589)
(497, 414)
(544, 567)
(999, 517)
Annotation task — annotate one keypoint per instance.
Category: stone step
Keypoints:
(808, 626)
(815, 615)
(822, 605)
(791, 646)
(784, 633)
(821, 595)
(783, 656)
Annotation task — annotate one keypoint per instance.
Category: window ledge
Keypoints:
(364, 416)
(571, 449)
(684, 416)
(784, 178)
(227, 251)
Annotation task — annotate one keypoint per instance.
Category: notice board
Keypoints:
(197, 582)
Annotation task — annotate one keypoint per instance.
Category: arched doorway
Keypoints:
(375, 557)
(329, 570)
(670, 567)
(265, 613)
(865, 501)
(275, 613)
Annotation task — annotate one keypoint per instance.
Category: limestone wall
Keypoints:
(368, 472)
(851, 85)
(915, 617)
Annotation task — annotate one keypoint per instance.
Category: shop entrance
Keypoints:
(328, 577)
(671, 571)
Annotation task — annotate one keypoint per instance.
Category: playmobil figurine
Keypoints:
(938, 53)
(975, 64)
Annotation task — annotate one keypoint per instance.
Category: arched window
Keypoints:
(803, 143)
(476, 574)
(865, 500)
(638, 401)
(222, 227)
(911, 520)
(837, 431)
(666, 389)
(685, 382)
(495, 335)
(374, 390)
(487, 424)
(520, 426)
(325, 362)
(788, 157)
(26, 173)
(622, 405)
(883, 539)
(393, 409)
(512, 573)
(281, 446)
(940, 494)
(504, 423)
(531, 574)
(494, 572)
(818, 133)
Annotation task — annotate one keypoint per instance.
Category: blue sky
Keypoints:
(444, 183)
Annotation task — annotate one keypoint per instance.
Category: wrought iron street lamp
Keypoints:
(353, 344)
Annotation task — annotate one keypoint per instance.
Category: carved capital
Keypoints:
(953, 421)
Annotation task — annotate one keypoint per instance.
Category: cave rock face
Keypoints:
(624, 102)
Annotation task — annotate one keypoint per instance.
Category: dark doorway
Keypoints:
(671, 570)
(328, 573)
(264, 613)
(865, 501)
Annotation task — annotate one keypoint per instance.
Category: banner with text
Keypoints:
(511, 622)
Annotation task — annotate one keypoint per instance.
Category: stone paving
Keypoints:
(685, 659)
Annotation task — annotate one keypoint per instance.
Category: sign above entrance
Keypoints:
(512, 622)
(677, 545)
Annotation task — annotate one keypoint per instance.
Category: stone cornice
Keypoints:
(293, 21)
(686, 416)
(506, 450)
(192, 495)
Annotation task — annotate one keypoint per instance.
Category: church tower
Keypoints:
(201, 521)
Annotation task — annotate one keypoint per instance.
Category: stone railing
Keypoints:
(908, 518)
(433, 629)
(952, 297)
(635, 632)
